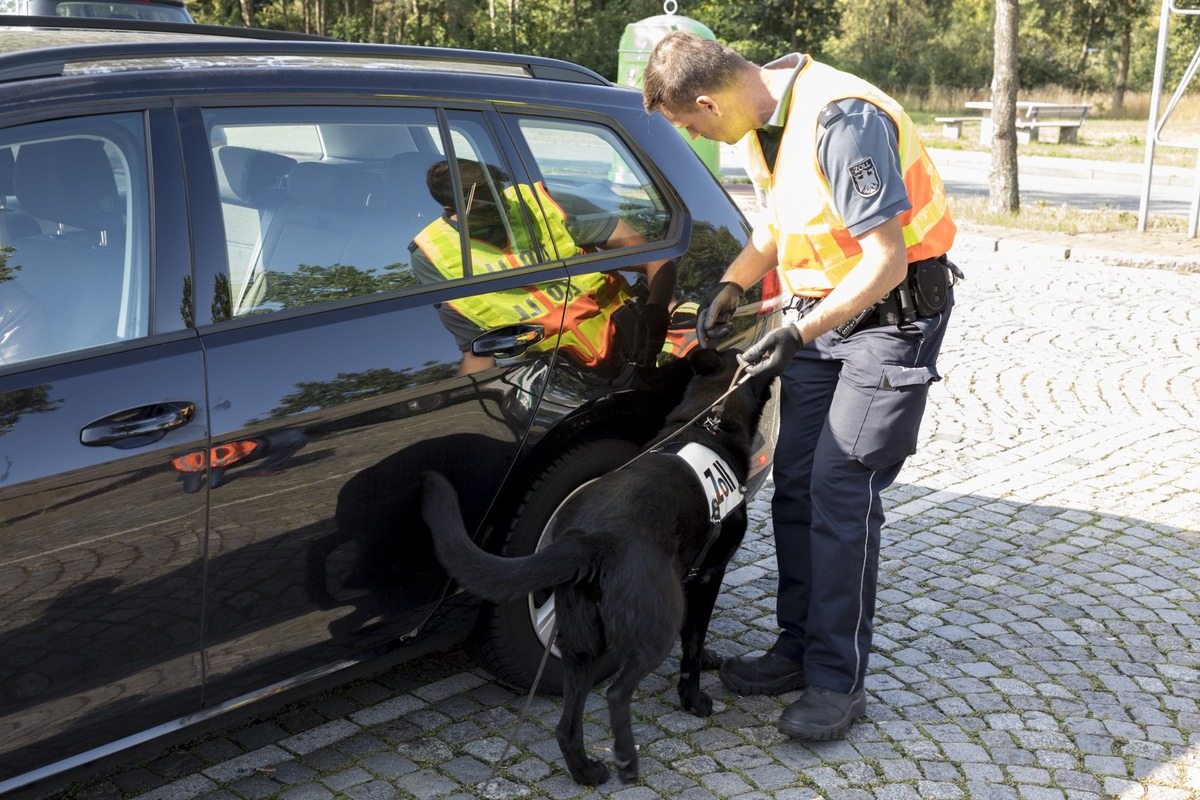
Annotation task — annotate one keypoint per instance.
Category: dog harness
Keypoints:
(722, 491)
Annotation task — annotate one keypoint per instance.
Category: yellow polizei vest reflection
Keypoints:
(576, 312)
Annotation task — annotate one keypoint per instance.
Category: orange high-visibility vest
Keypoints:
(575, 319)
(815, 249)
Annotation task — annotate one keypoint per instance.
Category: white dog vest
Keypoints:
(722, 489)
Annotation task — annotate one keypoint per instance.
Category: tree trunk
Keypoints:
(1002, 175)
(512, 26)
(1123, 66)
(1081, 63)
(248, 13)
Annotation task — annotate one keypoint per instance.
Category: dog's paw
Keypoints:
(696, 702)
(628, 773)
(590, 773)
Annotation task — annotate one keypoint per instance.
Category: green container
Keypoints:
(637, 42)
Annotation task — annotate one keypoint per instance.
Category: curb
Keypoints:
(1027, 244)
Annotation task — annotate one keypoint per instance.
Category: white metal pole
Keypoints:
(1160, 60)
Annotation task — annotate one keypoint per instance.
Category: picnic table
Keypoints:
(1032, 118)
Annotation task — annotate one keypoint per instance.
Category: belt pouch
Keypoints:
(889, 310)
(930, 286)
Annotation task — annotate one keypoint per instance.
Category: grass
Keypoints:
(1042, 216)
(1106, 135)
(1103, 137)
(1099, 140)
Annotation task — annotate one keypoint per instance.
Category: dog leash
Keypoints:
(512, 737)
(718, 406)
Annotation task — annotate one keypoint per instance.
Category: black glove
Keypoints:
(716, 313)
(771, 354)
(652, 327)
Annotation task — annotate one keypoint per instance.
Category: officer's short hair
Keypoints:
(684, 66)
(471, 173)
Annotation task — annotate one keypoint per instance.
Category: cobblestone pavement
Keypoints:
(1038, 627)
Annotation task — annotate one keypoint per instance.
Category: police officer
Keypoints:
(858, 225)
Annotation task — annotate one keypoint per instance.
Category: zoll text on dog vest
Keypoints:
(722, 490)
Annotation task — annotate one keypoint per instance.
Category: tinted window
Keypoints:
(319, 204)
(74, 242)
(589, 162)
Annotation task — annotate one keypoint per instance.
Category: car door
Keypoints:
(101, 390)
(337, 371)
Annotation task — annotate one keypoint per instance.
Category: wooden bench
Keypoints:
(1067, 120)
(952, 126)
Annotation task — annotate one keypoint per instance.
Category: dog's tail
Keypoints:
(496, 578)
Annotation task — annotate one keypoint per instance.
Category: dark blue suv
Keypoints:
(249, 289)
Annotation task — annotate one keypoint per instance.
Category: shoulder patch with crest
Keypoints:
(865, 177)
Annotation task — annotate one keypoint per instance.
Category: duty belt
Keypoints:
(924, 292)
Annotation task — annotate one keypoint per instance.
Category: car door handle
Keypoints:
(138, 426)
(507, 342)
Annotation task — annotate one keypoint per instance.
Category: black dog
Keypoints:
(636, 556)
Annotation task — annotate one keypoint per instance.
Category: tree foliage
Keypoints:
(1085, 45)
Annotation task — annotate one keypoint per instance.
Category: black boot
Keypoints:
(769, 673)
(822, 714)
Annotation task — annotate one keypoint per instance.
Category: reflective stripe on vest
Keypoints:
(815, 249)
(574, 315)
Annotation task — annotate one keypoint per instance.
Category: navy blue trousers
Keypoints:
(850, 413)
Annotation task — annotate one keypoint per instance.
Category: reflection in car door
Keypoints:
(316, 549)
(101, 549)
(325, 412)
(100, 552)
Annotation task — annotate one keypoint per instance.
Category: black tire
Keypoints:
(511, 638)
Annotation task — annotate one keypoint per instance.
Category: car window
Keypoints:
(139, 10)
(483, 208)
(587, 166)
(319, 204)
(74, 241)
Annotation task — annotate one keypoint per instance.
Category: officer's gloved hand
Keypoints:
(651, 332)
(771, 354)
(716, 313)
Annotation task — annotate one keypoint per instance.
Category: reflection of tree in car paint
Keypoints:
(312, 284)
(709, 252)
(350, 386)
(31, 400)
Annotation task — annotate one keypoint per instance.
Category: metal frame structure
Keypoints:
(1156, 123)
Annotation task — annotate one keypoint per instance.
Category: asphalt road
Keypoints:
(1075, 182)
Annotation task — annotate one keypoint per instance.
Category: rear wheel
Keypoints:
(513, 637)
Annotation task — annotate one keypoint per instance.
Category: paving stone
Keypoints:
(1037, 612)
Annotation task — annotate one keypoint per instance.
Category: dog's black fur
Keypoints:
(620, 548)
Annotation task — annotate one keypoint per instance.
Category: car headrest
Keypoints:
(405, 176)
(69, 181)
(250, 176)
(332, 185)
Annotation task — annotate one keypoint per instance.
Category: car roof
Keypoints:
(33, 47)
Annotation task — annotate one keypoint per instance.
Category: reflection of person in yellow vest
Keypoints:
(580, 319)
